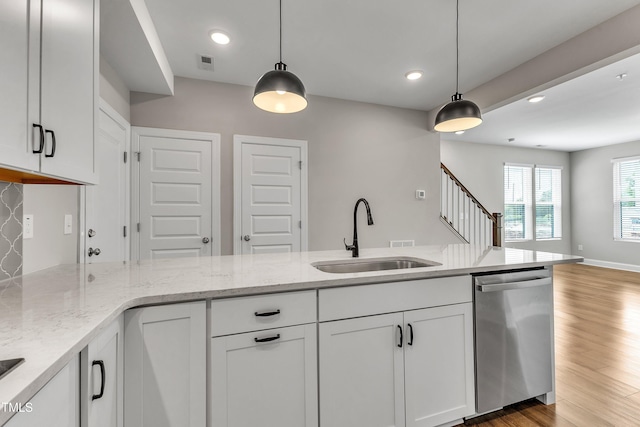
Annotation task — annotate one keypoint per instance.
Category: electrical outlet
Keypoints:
(27, 226)
(68, 224)
(579, 247)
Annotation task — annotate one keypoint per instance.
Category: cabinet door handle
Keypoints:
(41, 146)
(267, 313)
(410, 342)
(267, 339)
(102, 377)
(400, 329)
(53, 143)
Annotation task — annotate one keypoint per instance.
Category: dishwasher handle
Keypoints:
(545, 281)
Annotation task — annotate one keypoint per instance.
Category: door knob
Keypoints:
(93, 252)
(205, 240)
(91, 232)
(246, 237)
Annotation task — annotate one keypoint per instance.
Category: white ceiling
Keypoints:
(592, 110)
(361, 49)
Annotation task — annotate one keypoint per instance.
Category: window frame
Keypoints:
(531, 205)
(618, 200)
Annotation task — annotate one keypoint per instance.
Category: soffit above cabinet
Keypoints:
(130, 44)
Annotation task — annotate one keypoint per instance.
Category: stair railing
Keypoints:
(465, 215)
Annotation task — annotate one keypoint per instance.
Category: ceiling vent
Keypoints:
(205, 62)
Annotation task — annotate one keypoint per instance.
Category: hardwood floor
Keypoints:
(597, 327)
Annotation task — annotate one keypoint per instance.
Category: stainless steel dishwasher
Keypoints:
(513, 333)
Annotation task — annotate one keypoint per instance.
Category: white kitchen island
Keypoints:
(50, 316)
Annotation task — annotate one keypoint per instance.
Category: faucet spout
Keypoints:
(354, 248)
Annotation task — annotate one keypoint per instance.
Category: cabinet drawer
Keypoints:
(367, 300)
(245, 314)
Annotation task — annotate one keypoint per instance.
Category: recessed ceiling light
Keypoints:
(219, 37)
(459, 132)
(536, 98)
(413, 75)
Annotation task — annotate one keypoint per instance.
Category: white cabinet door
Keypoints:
(165, 359)
(68, 87)
(14, 45)
(439, 379)
(362, 372)
(56, 404)
(265, 378)
(102, 378)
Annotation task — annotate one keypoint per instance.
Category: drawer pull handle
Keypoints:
(267, 339)
(267, 313)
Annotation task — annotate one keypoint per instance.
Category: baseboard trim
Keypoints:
(614, 265)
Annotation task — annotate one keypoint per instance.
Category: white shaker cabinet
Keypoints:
(362, 372)
(409, 368)
(165, 366)
(50, 87)
(264, 368)
(56, 404)
(102, 380)
(14, 126)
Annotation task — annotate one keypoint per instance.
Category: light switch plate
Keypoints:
(27, 226)
(68, 224)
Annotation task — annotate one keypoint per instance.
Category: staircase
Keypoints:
(465, 215)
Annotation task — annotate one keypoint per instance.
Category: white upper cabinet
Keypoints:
(49, 85)
(14, 45)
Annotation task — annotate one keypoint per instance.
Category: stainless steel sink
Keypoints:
(372, 264)
(7, 366)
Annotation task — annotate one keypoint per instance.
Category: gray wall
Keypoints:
(113, 90)
(592, 204)
(480, 168)
(50, 246)
(355, 150)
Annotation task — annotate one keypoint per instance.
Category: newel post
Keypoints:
(497, 229)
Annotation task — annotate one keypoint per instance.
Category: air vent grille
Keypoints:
(205, 62)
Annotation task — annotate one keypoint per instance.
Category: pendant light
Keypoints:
(459, 114)
(280, 91)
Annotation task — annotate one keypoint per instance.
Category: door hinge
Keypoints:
(125, 157)
(300, 164)
(138, 227)
(299, 224)
(124, 231)
(138, 155)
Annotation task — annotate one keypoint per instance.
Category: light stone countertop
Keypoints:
(49, 316)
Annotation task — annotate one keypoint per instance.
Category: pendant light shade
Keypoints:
(280, 91)
(459, 114)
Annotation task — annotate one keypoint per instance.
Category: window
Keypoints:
(626, 199)
(548, 203)
(532, 202)
(518, 224)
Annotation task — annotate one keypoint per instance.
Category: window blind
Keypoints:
(518, 221)
(548, 183)
(626, 199)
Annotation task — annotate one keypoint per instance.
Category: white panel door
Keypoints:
(166, 366)
(177, 192)
(14, 44)
(107, 203)
(272, 199)
(439, 383)
(265, 378)
(362, 372)
(69, 84)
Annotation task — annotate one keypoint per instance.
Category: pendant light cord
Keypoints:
(281, 31)
(457, 44)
